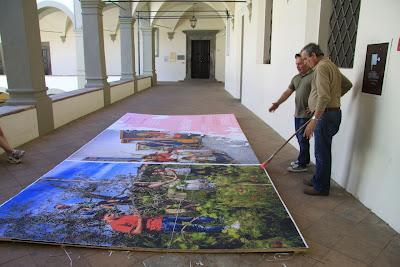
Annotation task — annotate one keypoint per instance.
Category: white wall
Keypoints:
(112, 48)
(20, 127)
(170, 70)
(366, 150)
(176, 70)
(62, 54)
(367, 147)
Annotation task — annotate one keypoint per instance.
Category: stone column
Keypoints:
(149, 66)
(93, 42)
(80, 58)
(20, 35)
(127, 22)
(80, 55)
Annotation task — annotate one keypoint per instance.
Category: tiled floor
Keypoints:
(339, 229)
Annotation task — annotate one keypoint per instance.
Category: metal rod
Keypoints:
(178, 17)
(216, 11)
(155, 24)
(176, 1)
(117, 5)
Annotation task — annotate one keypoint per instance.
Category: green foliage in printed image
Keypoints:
(240, 198)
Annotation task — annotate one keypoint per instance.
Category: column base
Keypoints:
(100, 83)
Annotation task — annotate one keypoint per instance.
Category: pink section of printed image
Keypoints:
(218, 125)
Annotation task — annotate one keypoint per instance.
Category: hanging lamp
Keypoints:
(193, 19)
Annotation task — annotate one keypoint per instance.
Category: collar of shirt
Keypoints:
(321, 60)
(305, 74)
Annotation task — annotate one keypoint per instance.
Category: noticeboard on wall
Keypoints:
(374, 70)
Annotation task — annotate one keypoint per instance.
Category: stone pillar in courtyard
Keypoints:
(80, 55)
(20, 35)
(149, 60)
(93, 42)
(127, 22)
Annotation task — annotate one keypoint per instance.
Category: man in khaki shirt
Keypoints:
(327, 87)
(301, 85)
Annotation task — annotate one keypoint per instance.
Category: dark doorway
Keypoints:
(241, 59)
(46, 58)
(2, 72)
(200, 59)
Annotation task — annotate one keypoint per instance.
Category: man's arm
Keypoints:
(139, 228)
(345, 85)
(323, 98)
(322, 83)
(288, 92)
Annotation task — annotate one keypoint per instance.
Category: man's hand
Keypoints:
(137, 231)
(274, 107)
(308, 132)
(308, 111)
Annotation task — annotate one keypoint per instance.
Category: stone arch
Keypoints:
(42, 5)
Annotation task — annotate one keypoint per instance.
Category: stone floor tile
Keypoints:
(335, 259)
(340, 224)
(20, 262)
(322, 234)
(352, 210)
(7, 179)
(364, 252)
(8, 192)
(10, 253)
(373, 230)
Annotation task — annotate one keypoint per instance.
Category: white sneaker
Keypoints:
(297, 168)
(296, 163)
(235, 225)
(16, 156)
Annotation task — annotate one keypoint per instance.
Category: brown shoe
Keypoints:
(313, 192)
(307, 181)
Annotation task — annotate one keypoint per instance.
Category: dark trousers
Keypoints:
(324, 131)
(171, 223)
(304, 143)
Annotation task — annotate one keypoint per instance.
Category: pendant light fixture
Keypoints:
(193, 19)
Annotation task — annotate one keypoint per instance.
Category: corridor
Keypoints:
(339, 230)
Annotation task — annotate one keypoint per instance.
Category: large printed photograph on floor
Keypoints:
(203, 139)
(151, 206)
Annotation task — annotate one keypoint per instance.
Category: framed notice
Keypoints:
(374, 70)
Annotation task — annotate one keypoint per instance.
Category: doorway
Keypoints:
(46, 58)
(241, 59)
(200, 59)
(2, 72)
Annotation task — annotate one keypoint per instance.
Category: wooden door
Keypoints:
(2, 72)
(200, 66)
(46, 58)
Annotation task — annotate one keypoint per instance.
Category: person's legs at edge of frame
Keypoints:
(13, 155)
(326, 128)
(300, 165)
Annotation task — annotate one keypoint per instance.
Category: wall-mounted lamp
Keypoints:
(113, 36)
(193, 19)
(170, 35)
(250, 8)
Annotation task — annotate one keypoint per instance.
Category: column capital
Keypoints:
(127, 20)
(91, 6)
(146, 29)
(78, 31)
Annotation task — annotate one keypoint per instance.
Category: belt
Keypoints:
(333, 109)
